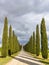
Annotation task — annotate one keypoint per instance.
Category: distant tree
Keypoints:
(16, 45)
(34, 43)
(37, 41)
(29, 46)
(5, 38)
(44, 40)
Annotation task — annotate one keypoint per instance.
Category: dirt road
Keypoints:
(24, 59)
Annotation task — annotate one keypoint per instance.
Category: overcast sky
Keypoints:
(24, 15)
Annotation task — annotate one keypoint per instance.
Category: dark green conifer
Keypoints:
(44, 40)
(5, 38)
(37, 41)
(10, 39)
(34, 43)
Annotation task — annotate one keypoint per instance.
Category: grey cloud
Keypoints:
(20, 15)
(21, 7)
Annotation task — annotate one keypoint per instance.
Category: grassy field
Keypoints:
(3, 61)
(45, 61)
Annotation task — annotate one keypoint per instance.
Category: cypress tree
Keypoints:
(44, 40)
(5, 38)
(37, 41)
(26, 46)
(10, 39)
(17, 44)
(34, 43)
(29, 46)
(13, 42)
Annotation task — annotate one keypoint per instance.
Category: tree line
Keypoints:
(39, 42)
(10, 43)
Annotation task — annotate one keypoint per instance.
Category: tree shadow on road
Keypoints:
(30, 58)
(25, 61)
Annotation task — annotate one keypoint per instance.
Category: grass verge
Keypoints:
(3, 61)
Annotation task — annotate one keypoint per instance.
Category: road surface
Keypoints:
(24, 59)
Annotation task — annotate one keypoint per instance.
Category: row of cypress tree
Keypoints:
(10, 43)
(39, 42)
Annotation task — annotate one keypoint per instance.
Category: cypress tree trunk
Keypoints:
(44, 40)
(5, 38)
(34, 43)
(37, 41)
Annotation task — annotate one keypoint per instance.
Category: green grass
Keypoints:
(3, 61)
(45, 61)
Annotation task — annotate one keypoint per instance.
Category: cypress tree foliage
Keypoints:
(5, 38)
(29, 46)
(16, 45)
(13, 42)
(37, 41)
(34, 43)
(10, 44)
(44, 40)
(10, 39)
(26, 47)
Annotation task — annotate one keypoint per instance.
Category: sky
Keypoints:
(24, 15)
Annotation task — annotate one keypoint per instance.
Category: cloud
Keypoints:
(24, 15)
(21, 7)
